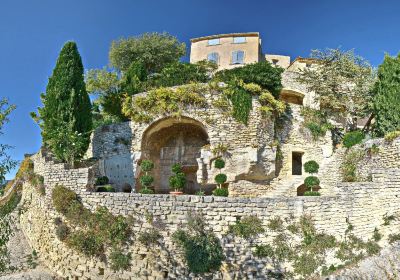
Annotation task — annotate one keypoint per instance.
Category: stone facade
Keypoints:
(223, 46)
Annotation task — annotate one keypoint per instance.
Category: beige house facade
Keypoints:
(227, 50)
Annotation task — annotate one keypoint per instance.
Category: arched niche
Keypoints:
(291, 96)
(302, 189)
(174, 140)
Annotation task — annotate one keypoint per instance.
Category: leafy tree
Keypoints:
(260, 73)
(179, 73)
(153, 50)
(386, 103)
(343, 83)
(6, 163)
(66, 118)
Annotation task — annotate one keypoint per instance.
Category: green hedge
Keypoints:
(353, 138)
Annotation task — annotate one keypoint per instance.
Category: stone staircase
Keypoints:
(284, 187)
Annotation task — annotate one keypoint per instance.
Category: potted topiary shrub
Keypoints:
(311, 181)
(146, 180)
(220, 179)
(177, 181)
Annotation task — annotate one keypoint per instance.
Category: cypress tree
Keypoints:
(386, 103)
(66, 118)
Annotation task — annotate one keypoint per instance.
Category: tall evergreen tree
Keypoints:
(66, 118)
(386, 103)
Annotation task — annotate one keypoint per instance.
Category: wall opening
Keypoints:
(292, 97)
(173, 141)
(297, 163)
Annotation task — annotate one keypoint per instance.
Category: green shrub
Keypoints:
(264, 251)
(179, 73)
(311, 166)
(146, 165)
(394, 238)
(349, 165)
(57, 221)
(201, 248)
(377, 235)
(316, 121)
(311, 181)
(219, 163)
(312, 193)
(106, 188)
(178, 181)
(316, 130)
(120, 261)
(353, 138)
(390, 136)
(149, 237)
(306, 264)
(146, 180)
(220, 192)
(62, 232)
(102, 181)
(247, 227)
(95, 230)
(275, 224)
(261, 73)
(63, 198)
(220, 178)
(176, 168)
(86, 242)
(146, 191)
(200, 193)
(387, 219)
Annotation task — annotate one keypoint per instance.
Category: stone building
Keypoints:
(255, 165)
(238, 49)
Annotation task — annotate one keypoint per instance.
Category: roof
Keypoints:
(304, 59)
(246, 34)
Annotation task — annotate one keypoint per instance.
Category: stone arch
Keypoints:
(292, 96)
(174, 140)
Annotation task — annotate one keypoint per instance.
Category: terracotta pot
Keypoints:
(176, 193)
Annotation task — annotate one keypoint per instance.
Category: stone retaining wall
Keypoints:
(362, 204)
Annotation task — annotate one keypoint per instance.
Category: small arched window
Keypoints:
(238, 57)
(213, 57)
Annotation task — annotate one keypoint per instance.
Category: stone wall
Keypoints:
(77, 179)
(120, 147)
(362, 204)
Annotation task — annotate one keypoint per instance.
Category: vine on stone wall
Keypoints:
(160, 101)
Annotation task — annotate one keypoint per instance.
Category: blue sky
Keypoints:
(33, 32)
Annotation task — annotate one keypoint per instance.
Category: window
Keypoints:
(213, 42)
(239, 40)
(214, 57)
(308, 65)
(275, 61)
(237, 57)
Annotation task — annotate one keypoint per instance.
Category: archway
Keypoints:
(171, 141)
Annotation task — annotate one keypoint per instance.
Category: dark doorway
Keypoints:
(297, 164)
